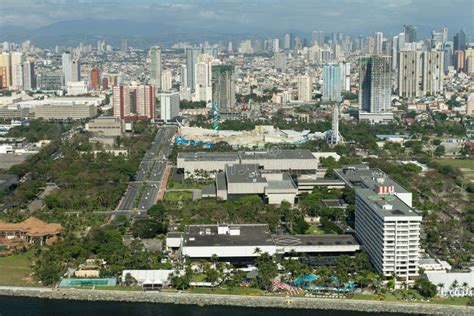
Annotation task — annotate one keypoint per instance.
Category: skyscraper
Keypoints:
(305, 88)
(317, 37)
(223, 87)
(134, 102)
(332, 82)
(287, 42)
(459, 60)
(460, 40)
(17, 60)
(378, 41)
(410, 33)
(124, 45)
(409, 74)
(169, 105)
(155, 65)
(375, 84)
(432, 79)
(5, 62)
(66, 67)
(29, 77)
(94, 78)
(445, 34)
(469, 66)
(203, 79)
(191, 58)
(76, 70)
(166, 80)
(276, 45)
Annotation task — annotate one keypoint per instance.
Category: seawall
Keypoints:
(238, 300)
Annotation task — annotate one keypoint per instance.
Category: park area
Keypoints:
(466, 166)
(15, 270)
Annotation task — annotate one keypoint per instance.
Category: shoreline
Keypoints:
(237, 300)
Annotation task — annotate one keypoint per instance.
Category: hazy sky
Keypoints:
(351, 16)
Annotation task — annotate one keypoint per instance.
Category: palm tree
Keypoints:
(257, 251)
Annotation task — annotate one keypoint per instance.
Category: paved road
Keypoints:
(149, 174)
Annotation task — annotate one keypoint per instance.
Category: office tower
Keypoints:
(410, 33)
(370, 45)
(229, 48)
(280, 61)
(378, 40)
(94, 78)
(155, 66)
(445, 34)
(124, 45)
(17, 60)
(346, 75)
(287, 42)
(223, 87)
(76, 70)
(459, 60)
(305, 88)
(409, 73)
(460, 40)
(134, 102)
(448, 55)
(276, 45)
(432, 79)
(5, 62)
(203, 79)
(183, 76)
(191, 58)
(3, 77)
(314, 54)
(66, 67)
(317, 38)
(375, 84)
(385, 223)
(166, 80)
(29, 77)
(245, 47)
(335, 136)
(332, 82)
(298, 44)
(169, 104)
(469, 66)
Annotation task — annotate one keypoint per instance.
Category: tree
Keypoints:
(48, 271)
(267, 271)
(440, 151)
(425, 288)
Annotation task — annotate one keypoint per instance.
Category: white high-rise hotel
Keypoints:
(385, 223)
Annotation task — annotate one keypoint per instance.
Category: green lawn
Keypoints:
(187, 184)
(314, 230)
(176, 196)
(233, 291)
(15, 270)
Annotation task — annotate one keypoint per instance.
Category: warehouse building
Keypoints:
(63, 112)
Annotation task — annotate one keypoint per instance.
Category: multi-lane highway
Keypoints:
(143, 192)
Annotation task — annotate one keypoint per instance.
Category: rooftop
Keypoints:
(277, 154)
(314, 240)
(32, 227)
(387, 204)
(245, 173)
(208, 236)
(206, 156)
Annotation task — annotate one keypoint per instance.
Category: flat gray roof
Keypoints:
(366, 178)
(207, 236)
(244, 173)
(211, 156)
(277, 154)
(314, 240)
(377, 201)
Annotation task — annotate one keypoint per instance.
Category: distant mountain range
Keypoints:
(141, 34)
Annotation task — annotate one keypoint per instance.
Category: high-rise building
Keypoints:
(134, 102)
(17, 60)
(280, 61)
(445, 34)
(124, 45)
(305, 88)
(335, 136)
(29, 77)
(410, 33)
(223, 87)
(460, 40)
(287, 41)
(346, 75)
(459, 60)
(155, 65)
(94, 78)
(432, 79)
(332, 82)
(76, 70)
(169, 104)
(378, 42)
(409, 73)
(276, 45)
(166, 80)
(66, 67)
(203, 79)
(375, 84)
(191, 59)
(385, 223)
(469, 66)
(317, 37)
(5, 62)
